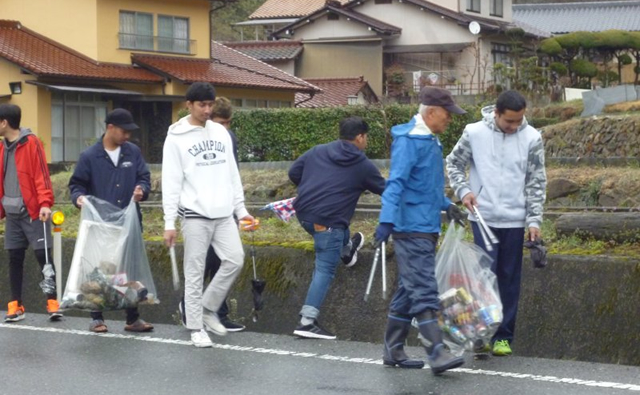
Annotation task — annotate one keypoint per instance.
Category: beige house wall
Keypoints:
(58, 20)
(108, 21)
(34, 102)
(323, 28)
(343, 59)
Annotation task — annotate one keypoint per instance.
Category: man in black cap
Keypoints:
(411, 206)
(113, 170)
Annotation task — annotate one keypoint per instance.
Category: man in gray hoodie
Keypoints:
(507, 183)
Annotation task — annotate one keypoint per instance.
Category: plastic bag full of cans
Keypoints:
(470, 306)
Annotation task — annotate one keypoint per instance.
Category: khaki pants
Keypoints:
(199, 234)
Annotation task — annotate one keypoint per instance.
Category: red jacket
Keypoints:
(33, 175)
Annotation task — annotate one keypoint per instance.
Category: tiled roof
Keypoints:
(560, 18)
(335, 92)
(46, 58)
(288, 8)
(227, 67)
(268, 50)
(371, 23)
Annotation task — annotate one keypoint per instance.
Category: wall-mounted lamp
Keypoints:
(15, 88)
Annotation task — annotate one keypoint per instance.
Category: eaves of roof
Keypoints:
(271, 9)
(227, 67)
(43, 57)
(268, 50)
(335, 92)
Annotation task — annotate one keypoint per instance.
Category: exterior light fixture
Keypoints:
(15, 88)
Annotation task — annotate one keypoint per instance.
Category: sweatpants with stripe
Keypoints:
(507, 265)
(222, 234)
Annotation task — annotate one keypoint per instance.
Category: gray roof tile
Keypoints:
(558, 18)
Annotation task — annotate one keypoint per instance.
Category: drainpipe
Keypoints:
(311, 95)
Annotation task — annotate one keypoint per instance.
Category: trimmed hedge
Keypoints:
(285, 134)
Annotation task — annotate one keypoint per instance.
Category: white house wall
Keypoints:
(418, 27)
(322, 28)
(485, 8)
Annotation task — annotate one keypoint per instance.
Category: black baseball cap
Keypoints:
(121, 118)
(430, 96)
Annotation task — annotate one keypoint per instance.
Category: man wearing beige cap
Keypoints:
(411, 206)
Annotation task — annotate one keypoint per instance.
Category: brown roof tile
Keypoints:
(268, 50)
(288, 8)
(46, 58)
(227, 68)
(335, 92)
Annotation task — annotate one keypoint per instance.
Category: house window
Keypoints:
(173, 34)
(136, 30)
(382, 2)
(473, 5)
(497, 8)
(500, 53)
(77, 121)
(333, 16)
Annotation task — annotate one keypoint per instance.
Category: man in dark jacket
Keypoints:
(113, 170)
(330, 179)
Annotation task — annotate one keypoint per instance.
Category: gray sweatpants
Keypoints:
(223, 235)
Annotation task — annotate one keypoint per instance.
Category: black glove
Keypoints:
(538, 253)
(383, 231)
(455, 214)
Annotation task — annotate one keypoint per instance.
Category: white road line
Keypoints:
(523, 376)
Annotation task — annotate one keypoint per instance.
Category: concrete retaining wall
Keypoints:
(583, 308)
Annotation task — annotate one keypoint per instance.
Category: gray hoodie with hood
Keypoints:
(507, 173)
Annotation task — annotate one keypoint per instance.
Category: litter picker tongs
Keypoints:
(380, 250)
(487, 235)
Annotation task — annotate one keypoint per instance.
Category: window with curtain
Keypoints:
(136, 30)
(173, 34)
(497, 8)
(473, 5)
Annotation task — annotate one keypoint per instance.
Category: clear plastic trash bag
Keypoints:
(109, 269)
(470, 307)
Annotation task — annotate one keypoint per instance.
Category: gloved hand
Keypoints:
(538, 253)
(383, 231)
(455, 214)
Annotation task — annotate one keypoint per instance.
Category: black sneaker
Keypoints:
(313, 331)
(230, 325)
(357, 241)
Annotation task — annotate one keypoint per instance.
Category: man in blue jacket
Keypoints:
(113, 170)
(330, 179)
(411, 206)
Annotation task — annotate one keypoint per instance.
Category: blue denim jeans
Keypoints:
(329, 245)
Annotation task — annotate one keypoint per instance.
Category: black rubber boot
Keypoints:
(440, 358)
(397, 330)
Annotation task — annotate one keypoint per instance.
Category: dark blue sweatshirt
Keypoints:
(96, 175)
(330, 179)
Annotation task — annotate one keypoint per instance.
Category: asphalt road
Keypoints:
(43, 358)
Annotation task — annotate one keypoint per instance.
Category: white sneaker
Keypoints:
(200, 339)
(212, 323)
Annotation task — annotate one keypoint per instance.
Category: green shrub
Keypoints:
(285, 134)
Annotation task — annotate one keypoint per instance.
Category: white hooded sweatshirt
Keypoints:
(199, 173)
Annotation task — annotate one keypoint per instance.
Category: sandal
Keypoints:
(98, 326)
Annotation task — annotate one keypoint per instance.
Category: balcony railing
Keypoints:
(157, 44)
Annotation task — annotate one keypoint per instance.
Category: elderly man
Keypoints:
(411, 206)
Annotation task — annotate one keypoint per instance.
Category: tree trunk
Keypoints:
(601, 226)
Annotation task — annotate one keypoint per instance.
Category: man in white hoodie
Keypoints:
(201, 185)
(507, 183)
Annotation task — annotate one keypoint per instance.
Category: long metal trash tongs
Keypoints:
(380, 250)
(487, 235)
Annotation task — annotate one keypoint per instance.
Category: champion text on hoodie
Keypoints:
(199, 173)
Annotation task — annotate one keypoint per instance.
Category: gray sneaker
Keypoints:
(212, 323)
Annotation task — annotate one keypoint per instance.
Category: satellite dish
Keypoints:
(474, 27)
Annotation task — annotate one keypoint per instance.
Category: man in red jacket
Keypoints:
(26, 197)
